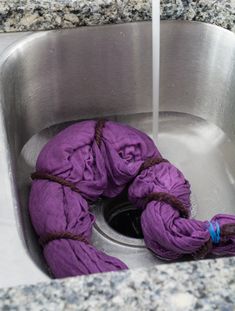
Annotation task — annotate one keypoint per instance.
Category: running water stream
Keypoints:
(156, 63)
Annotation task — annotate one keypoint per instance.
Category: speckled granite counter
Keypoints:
(22, 15)
(204, 285)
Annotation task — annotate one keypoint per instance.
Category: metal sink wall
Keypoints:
(49, 78)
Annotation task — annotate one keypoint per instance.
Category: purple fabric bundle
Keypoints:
(105, 170)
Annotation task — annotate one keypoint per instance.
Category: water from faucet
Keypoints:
(156, 63)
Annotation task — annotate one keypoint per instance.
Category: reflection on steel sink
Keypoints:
(49, 79)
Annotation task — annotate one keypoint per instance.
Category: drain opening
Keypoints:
(124, 218)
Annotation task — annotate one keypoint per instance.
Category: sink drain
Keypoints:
(117, 231)
(124, 218)
(119, 221)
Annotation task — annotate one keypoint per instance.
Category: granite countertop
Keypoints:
(203, 285)
(23, 15)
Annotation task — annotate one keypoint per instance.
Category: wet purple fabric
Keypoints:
(74, 155)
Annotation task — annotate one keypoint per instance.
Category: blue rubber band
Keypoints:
(214, 230)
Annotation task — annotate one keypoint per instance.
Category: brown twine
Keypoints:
(61, 235)
(57, 179)
(99, 131)
(151, 162)
(227, 231)
(168, 199)
(204, 250)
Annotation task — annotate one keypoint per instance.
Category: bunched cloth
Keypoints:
(92, 159)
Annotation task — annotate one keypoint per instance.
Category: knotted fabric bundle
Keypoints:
(92, 159)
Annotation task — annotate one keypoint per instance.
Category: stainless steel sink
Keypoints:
(50, 79)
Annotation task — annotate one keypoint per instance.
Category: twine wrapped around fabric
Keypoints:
(92, 159)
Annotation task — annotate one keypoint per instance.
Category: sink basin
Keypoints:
(49, 80)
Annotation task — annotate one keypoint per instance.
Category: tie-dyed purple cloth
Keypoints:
(105, 170)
